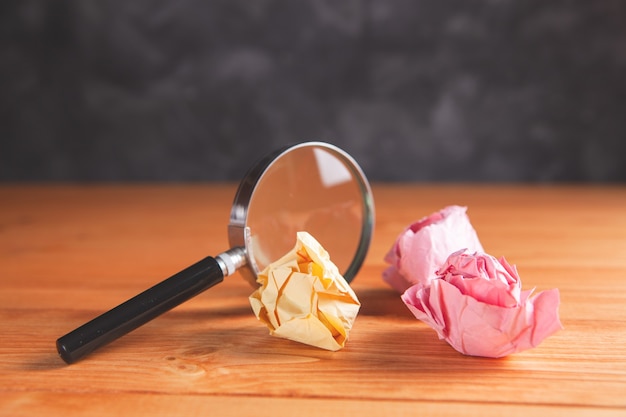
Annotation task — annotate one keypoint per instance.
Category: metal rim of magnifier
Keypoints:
(239, 233)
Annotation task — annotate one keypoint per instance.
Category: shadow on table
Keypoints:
(381, 302)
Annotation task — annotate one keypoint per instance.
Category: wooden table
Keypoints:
(68, 253)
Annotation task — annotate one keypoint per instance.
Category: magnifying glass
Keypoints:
(313, 186)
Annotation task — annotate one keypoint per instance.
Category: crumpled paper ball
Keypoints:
(476, 304)
(424, 246)
(303, 297)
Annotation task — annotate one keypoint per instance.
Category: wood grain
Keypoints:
(69, 252)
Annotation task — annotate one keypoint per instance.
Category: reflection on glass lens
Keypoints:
(310, 189)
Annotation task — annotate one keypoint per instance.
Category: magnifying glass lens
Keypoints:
(312, 189)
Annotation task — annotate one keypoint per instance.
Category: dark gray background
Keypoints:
(499, 90)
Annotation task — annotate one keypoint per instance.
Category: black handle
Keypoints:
(140, 309)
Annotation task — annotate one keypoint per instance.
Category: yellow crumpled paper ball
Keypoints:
(304, 298)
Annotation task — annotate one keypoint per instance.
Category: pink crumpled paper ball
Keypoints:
(476, 304)
(424, 246)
